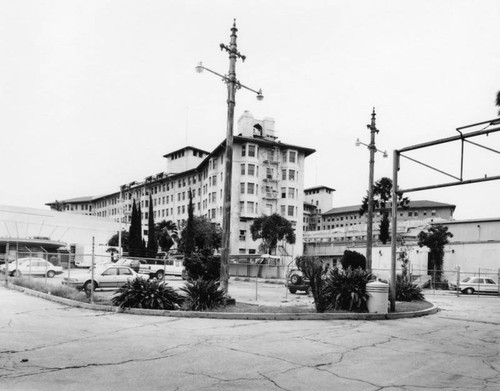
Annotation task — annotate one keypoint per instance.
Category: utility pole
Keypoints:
(369, 220)
(232, 85)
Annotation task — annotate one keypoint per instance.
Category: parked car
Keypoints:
(470, 285)
(107, 276)
(296, 281)
(137, 265)
(32, 266)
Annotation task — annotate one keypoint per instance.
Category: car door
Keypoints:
(108, 278)
(124, 274)
(490, 285)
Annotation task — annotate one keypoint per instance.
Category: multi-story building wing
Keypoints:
(267, 178)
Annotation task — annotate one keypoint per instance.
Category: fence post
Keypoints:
(7, 264)
(458, 281)
(92, 274)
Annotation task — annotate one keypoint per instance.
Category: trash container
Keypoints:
(378, 293)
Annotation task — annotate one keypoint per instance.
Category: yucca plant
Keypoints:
(406, 291)
(346, 289)
(202, 295)
(148, 294)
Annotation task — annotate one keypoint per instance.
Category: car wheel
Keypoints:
(295, 279)
(160, 274)
(51, 273)
(89, 285)
(292, 290)
(469, 291)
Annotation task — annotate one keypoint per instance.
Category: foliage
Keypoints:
(435, 238)
(59, 206)
(148, 294)
(166, 232)
(113, 241)
(497, 102)
(313, 270)
(202, 295)
(272, 229)
(403, 256)
(190, 240)
(345, 289)
(406, 291)
(202, 266)
(136, 244)
(207, 236)
(152, 248)
(382, 198)
(65, 292)
(353, 260)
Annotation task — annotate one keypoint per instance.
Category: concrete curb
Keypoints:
(228, 315)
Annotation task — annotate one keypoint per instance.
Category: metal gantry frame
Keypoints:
(463, 138)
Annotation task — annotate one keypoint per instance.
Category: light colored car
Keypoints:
(105, 277)
(470, 285)
(32, 266)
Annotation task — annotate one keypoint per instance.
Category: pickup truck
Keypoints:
(155, 268)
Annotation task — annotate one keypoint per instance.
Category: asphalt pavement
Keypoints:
(47, 346)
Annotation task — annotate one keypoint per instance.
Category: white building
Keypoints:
(267, 178)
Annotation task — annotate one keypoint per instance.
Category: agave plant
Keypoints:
(148, 294)
(202, 295)
(346, 289)
(406, 291)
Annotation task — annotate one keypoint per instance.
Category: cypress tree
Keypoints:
(134, 233)
(190, 240)
(152, 247)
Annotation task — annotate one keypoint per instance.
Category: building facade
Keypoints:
(267, 178)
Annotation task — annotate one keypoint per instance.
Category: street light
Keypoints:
(232, 85)
(369, 221)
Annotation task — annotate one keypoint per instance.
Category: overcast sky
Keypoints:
(94, 93)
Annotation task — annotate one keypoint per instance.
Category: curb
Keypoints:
(227, 315)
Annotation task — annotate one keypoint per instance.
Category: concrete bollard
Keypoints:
(378, 293)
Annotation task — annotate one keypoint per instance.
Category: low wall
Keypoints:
(257, 270)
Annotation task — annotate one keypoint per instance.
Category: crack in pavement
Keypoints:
(70, 367)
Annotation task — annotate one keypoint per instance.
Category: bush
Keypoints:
(313, 270)
(346, 289)
(406, 291)
(203, 266)
(353, 260)
(148, 294)
(202, 295)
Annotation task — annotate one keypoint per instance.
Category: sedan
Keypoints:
(32, 266)
(108, 276)
(470, 285)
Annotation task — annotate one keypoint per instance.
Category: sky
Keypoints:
(94, 93)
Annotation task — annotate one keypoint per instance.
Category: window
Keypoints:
(283, 156)
(291, 175)
(251, 150)
(291, 192)
(283, 192)
(243, 150)
(242, 169)
(250, 188)
(242, 206)
(242, 235)
(242, 188)
(250, 207)
(292, 157)
(290, 210)
(283, 210)
(283, 175)
(251, 169)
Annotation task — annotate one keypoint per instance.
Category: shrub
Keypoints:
(346, 289)
(313, 270)
(148, 294)
(202, 266)
(202, 295)
(353, 260)
(406, 291)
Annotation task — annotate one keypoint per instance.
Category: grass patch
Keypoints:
(416, 305)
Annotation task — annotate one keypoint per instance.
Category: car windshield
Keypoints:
(466, 279)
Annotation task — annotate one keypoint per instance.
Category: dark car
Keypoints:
(296, 281)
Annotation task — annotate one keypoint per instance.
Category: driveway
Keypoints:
(47, 346)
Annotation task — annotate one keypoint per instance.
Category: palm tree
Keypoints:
(59, 206)
(166, 232)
